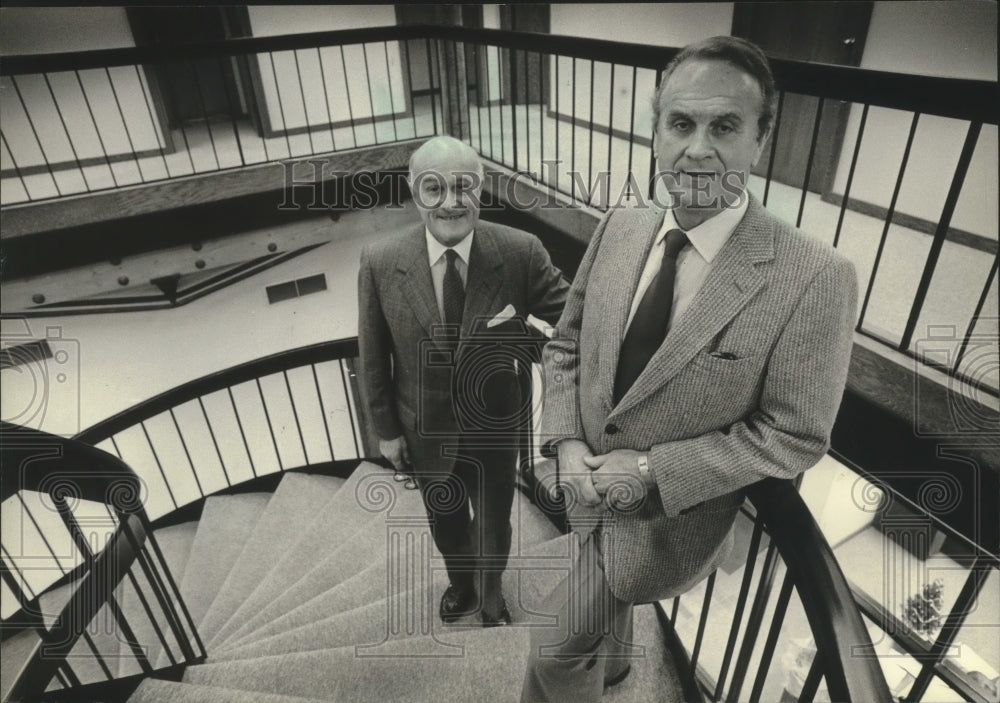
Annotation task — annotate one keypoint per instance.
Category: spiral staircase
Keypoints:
(229, 540)
(327, 589)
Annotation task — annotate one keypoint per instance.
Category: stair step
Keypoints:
(16, 650)
(158, 691)
(526, 583)
(101, 631)
(370, 585)
(487, 665)
(319, 591)
(224, 528)
(361, 588)
(175, 542)
(225, 525)
(291, 509)
(336, 526)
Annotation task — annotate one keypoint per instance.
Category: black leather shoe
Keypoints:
(502, 619)
(456, 604)
(619, 677)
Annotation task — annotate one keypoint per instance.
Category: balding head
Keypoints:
(446, 179)
(441, 150)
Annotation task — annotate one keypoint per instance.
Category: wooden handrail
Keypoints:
(38, 461)
(850, 666)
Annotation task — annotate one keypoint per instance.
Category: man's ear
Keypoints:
(761, 143)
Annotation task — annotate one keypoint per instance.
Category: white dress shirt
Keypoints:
(693, 262)
(438, 263)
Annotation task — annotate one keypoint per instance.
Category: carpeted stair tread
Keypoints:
(334, 525)
(81, 660)
(16, 650)
(526, 582)
(325, 591)
(360, 588)
(358, 550)
(158, 691)
(222, 531)
(487, 665)
(290, 509)
(175, 543)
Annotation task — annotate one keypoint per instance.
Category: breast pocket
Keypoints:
(725, 385)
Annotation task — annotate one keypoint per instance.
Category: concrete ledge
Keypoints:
(201, 189)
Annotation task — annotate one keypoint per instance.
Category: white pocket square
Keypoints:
(501, 317)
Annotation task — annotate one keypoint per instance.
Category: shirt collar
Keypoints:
(435, 249)
(710, 236)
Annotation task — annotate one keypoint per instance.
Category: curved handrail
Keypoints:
(852, 671)
(273, 363)
(37, 461)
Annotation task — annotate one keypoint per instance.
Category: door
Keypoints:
(822, 32)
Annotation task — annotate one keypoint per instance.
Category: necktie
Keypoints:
(649, 324)
(453, 291)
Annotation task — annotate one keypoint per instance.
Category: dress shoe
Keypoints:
(456, 604)
(399, 477)
(619, 677)
(502, 619)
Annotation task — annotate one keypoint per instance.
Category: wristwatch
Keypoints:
(644, 473)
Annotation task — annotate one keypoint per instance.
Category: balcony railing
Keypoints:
(574, 119)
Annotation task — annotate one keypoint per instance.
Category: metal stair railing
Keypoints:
(67, 472)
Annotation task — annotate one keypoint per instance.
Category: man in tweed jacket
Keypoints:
(442, 395)
(745, 385)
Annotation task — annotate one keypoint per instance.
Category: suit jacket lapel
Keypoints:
(484, 277)
(731, 283)
(416, 279)
(630, 256)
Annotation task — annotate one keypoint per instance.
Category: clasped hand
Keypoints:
(590, 477)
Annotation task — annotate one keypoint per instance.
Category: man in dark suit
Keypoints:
(440, 327)
(703, 347)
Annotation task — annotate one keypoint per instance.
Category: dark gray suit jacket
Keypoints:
(407, 378)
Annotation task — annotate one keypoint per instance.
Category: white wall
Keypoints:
(954, 39)
(45, 30)
(113, 361)
(663, 24)
(316, 107)
(25, 30)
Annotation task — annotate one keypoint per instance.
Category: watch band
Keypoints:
(644, 472)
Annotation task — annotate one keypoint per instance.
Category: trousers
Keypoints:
(592, 640)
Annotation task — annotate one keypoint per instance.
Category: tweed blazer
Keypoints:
(406, 380)
(746, 385)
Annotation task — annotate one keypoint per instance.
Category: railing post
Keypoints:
(454, 94)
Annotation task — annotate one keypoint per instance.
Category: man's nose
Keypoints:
(452, 198)
(699, 145)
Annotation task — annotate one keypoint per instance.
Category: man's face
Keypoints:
(708, 129)
(446, 185)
